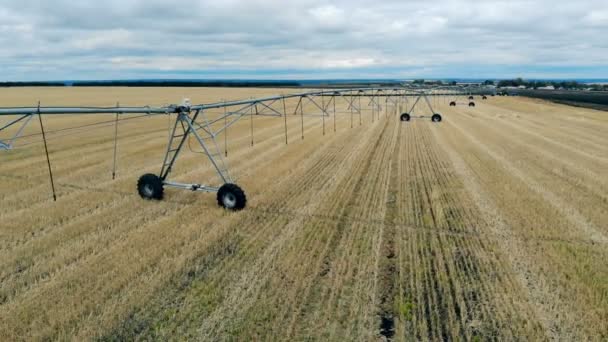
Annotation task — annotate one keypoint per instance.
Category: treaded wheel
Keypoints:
(231, 197)
(150, 187)
(471, 104)
(405, 117)
(436, 117)
(453, 103)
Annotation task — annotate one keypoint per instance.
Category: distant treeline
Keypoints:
(568, 85)
(144, 83)
(589, 99)
(32, 84)
(215, 83)
(433, 82)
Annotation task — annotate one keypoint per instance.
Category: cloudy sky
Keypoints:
(311, 39)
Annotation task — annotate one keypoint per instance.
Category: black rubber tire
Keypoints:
(150, 187)
(453, 104)
(405, 117)
(471, 98)
(436, 117)
(231, 197)
(471, 104)
(484, 97)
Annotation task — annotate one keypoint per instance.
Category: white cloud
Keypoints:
(103, 39)
(349, 63)
(93, 39)
(597, 18)
(327, 14)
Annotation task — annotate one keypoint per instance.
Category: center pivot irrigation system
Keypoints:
(192, 121)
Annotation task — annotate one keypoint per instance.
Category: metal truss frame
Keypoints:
(192, 121)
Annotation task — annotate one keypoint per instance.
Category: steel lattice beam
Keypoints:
(192, 121)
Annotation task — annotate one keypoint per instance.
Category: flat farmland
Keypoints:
(491, 225)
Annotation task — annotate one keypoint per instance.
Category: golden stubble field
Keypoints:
(489, 225)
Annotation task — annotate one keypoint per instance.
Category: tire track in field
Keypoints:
(453, 217)
(387, 274)
(331, 266)
(457, 281)
(434, 301)
(475, 262)
(436, 177)
(293, 309)
(546, 304)
(374, 202)
(248, 285)
(576, 219)
(450, 214)
(348, 284)
(413, 256)
(256, 242)
(445, 275)
(250, 222)
(349, 276)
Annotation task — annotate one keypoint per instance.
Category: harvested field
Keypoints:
(491, 225)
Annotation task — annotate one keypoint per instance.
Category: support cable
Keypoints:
(115, 144)
(225, 131)
(46, 150)
(360, 111)
(101, 123)
(324, 112)
(251, 120)
(334, 112)
(352, 100)
(302, 117)
(373, 108)
(285, 117)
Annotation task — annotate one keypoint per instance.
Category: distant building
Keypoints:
(546, 88)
